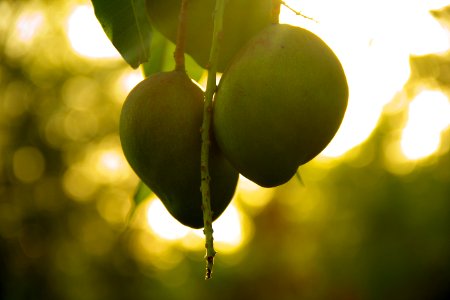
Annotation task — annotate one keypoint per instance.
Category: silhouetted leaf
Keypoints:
(126, 24)
(160, 48)
(299, 178)
(141, 193)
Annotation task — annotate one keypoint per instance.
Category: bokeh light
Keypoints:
(428, 117)
(231, 230)
(110, 165)
(127, 81)
(78, 185)
(162, 223)
(252, 195)
(24, 29)
(28, 25)
(87, 36)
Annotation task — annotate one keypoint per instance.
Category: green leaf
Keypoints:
(193, 69)
(161, 50)
(299, 178)
(126, 24)
(141, 193)
(162, 58)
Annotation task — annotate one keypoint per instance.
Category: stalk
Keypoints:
(178, 55)
(205, 136)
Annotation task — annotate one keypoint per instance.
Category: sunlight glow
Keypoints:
(247, 184)
(110, 161)
(162, 223)
(229, 232)
(429, 115)
(78, 185)
(253, 195)
(228, 227)
(28, 24)
(374, 44)
(19, 31)
(129, 80)
(87, 36)
(110, 165)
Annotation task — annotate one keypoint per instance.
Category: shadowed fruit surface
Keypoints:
(242, 20)
(160, 135)
(279, 104)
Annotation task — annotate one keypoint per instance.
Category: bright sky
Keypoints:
(429, 114)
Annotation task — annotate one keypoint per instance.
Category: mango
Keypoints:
(160, 135)
(279, 103)
(242, 20)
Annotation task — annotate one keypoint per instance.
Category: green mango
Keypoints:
(242, 20)
(279, 104)
(160, 134)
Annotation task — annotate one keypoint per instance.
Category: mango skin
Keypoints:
(242, 20)
(160, 134)
(279, 104)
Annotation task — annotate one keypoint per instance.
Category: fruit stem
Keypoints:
(178, 55)
(205, 135)
(276, 6)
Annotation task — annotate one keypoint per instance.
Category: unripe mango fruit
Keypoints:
(242, 20)
(160, 134)
(279, 104)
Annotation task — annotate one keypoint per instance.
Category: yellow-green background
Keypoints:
(368, 224)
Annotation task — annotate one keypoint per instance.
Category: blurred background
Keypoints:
(370, 219)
